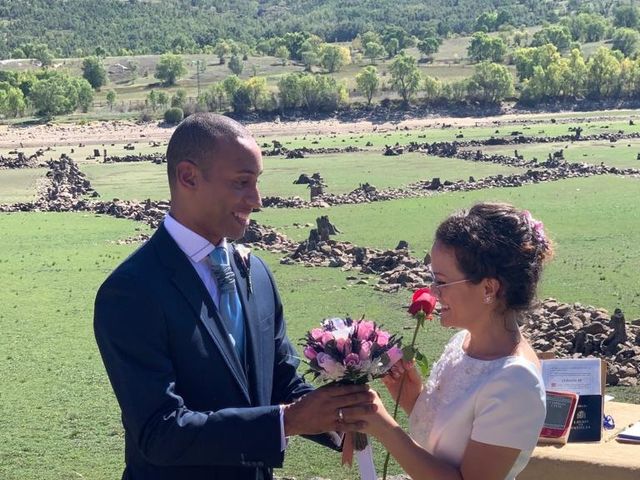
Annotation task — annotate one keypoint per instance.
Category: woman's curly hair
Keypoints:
(496, 240)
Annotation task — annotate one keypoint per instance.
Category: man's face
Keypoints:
(228, 189)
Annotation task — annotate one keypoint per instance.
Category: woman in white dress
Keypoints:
(479, 414)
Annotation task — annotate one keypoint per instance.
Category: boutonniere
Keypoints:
(242, 257)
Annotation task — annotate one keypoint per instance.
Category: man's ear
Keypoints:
(187, 175)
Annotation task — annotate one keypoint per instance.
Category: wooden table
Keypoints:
(606, 460)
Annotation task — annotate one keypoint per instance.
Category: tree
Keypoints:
(603, 74)
(221, 49)
(162, 99)
(490, 83)
(373, 50)
(179, 98)
(94, 72)
(487, 22)
(432, 88)
(403, 39)
(289, 91)
(283, 54)
(235, 65)
(368, 82)
(428, 46)
(12, 102)
(392, 47)
(111, 99)
(257, 90)
(557, 35)
(405, 76)
(626, 16)
(152, 99)
(309, 55)
(627, 40)
(525, 59)
(84, 94)
(484, 47)
(42, 54)
(586, 27)
(170, 67)
(214, 97)
(59, 94)
(334, 57)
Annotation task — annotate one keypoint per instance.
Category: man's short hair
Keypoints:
(196, 138)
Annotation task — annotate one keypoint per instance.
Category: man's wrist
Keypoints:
(288, 425)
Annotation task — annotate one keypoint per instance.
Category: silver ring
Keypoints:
(340, 415)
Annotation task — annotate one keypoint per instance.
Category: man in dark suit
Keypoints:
(200, 361)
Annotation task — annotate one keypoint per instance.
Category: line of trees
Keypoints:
(48, 92)
(547, 76)
(73, 28)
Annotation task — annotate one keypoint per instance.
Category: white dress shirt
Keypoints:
(197, 250)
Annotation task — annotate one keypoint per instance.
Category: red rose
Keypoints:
(422, 301)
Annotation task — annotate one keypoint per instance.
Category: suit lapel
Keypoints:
(188, 283)
(253, 342)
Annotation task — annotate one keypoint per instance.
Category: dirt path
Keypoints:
(123, 132)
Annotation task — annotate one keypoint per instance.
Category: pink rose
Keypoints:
(328, 364)
(383, 338)
(316, 333)
(365, 350)
(365, 329)
(326, 338)
(310, 353)
(352, 360)
(394, 354)
(344, 345)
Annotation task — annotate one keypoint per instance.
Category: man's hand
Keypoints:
(323, 410)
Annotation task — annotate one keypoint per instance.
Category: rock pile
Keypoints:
(157, 158)
(301, 152)
(575, 330)
(22, 161)
(267, 238)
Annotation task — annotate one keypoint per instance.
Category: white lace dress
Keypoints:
(498, 402)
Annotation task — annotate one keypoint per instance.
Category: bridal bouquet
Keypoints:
(350, 351)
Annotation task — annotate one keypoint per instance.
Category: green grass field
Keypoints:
(621, 154)
(61, 420)
(448, 134)
(594, 222)
(20, 185)
(342, 173)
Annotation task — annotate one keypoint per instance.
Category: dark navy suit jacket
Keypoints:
(191, 410)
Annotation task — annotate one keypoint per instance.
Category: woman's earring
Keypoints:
(488, 299)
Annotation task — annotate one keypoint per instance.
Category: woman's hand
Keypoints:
(412, 384)
(376, 421)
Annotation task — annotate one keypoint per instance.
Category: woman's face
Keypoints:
(459, 301)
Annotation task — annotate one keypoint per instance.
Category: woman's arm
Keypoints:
(480, 462)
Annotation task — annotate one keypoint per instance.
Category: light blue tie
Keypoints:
(230, 308)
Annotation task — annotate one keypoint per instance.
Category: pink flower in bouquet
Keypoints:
(344, 345)
(310, 353)
(348, 351)
(316, 333)
(329, 365)
(365, 329)
(383, 338)
(395, 354)
(365, 350)
(352, 360)
(326, 338)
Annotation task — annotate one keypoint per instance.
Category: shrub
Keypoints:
(173, 115)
